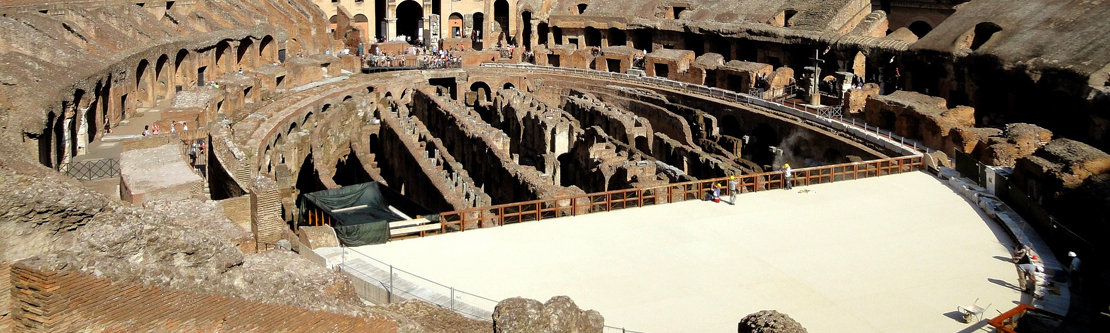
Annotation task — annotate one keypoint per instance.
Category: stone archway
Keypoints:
(163, 79)
(410, 20)
(455, 25)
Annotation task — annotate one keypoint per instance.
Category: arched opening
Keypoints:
(455, 25)
(222, 59)
(143, 83)
(582, 8)
(526, 31)
(501, 17)
(482, 89)
(920, 28)
(617, 37)
(361, 22)
(641, 39)
(557, 34)
(349, 171)
(541, 33)
(182, 75)
(161, 78)
(266, 52)
(91, 124)
(244, 58)
(508, 85)
(765, 137)
(593, 37)
(731, 126)
(643, 144)
(379, 19)
(410, 17)
(479, 30)
(983, 33)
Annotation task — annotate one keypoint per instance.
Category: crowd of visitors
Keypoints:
(416, 56)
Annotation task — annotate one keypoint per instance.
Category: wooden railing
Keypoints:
(536, 210)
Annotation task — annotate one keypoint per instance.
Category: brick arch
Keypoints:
(163, 81)
(267, 51)
(144, 83)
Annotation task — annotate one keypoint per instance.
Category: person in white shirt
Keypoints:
(788, 176)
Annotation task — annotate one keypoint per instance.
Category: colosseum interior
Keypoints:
(172, 165)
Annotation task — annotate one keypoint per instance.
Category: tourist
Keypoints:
(184, 126)
(788, 176)
(146, 130)
(717, 192)
(156, 131)
(173, 127)
(732, 190)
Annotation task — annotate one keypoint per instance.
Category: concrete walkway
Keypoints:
(889, 254)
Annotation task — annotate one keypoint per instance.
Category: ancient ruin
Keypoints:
(162, 150)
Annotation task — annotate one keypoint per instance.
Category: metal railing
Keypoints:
(92, 169)
(447, 297)
(536, 210)
(400, 285)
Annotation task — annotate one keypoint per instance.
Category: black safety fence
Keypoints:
(92, 169)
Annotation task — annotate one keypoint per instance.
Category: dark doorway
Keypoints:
(696, 43)
(617, 37)
(661, 70)
(593, 37)
(920, 28)
(614, 65)
(448, 84)
(566, 169)
(479, 30)
(526, 21)
(200, 75)
(501, 17)
(641, 39)
(379, 18)
(553, 60)
(541, 33)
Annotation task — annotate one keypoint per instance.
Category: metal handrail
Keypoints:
(535, 210)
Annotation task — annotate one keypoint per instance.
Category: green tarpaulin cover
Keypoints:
(360, 213)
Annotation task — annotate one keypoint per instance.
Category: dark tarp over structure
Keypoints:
(360, 213)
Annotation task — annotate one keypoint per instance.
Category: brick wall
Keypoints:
(56, 301)
(266, 222)
(5, 295)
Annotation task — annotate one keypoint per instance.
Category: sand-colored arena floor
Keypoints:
(889, 254)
